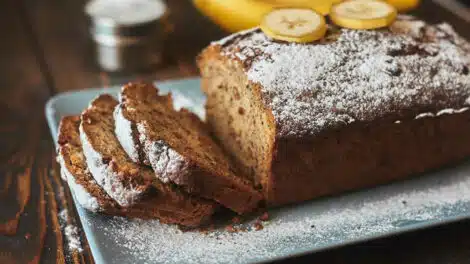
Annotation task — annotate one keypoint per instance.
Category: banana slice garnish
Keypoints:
(363, 14)
(299, 25)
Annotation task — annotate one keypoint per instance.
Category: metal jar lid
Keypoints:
(128, 33)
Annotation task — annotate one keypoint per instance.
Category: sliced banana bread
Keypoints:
(123, 180)
(75, 171)
(136, 187)
(179, 148)
(169, 208)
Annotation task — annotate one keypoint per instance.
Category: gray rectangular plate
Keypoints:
(436, 198)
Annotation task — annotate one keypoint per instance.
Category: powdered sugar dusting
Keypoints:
(447, 111)
(73, 238)
(423, 115)
(167, 163)
(63, 215)
(84, 198)
(450, 111)
(355, 74)
(180, 100)
(70, 231)
(302, 227)
(123, 131)
(106, 177)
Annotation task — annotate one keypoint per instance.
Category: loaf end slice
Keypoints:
(163, 203)
(180, 149)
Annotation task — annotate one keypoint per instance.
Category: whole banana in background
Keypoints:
(236, 15)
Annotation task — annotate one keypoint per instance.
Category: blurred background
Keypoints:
(79, 43)
(53, 46)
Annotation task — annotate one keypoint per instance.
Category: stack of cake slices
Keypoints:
(139, 157)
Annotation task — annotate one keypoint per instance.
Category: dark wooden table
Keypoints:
(45, 49)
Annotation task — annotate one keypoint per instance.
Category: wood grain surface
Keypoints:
(45, 49)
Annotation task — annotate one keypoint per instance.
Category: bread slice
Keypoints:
(75, 171)
(123, 180)
(178, 147)
(139, 192)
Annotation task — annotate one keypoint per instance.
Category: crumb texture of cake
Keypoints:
(314, 119)
(163, 202)
(74, 169)
(180, 150)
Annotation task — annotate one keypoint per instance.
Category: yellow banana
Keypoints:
(236, 15)
(404, 5)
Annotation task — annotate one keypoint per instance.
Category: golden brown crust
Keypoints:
(365, 155)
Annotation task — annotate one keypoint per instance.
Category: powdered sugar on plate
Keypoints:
(71, 232)
(73, 238)
(180, 100)
(300, 228)
(355, 75)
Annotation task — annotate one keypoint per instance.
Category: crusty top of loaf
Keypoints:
(354, 75)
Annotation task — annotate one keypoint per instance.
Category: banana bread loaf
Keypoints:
(358, 108)
(120, 177)
(179, 148)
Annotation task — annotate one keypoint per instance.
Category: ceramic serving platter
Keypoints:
(436, 198)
